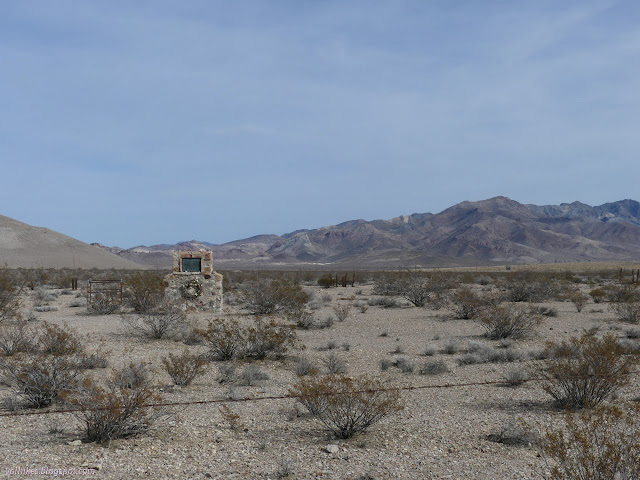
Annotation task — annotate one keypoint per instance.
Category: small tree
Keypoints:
(346, 405)
(584, 371)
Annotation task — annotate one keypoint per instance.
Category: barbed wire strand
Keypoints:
(295, 396)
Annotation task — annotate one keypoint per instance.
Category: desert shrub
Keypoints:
(227, 373)
(265, 297)
(404, 364)
(46, 308)
(417, 292)
(40, 380)
(603, 443)
(327, 281)
(269, 337)
(92, 361)
(466, 304)
(514, 432)
(252, 374)
(59, 341)
(502, 321)
(451, 347)
(578, 299)
(622, 293)
(42, 297)
(516, 377)
(385, 364)
(302, 318)
(384, 302)
(132, 376)
(430, 350)
(544, 311)
(346, 405)
(342, 311)
(333, 364)
(144, 291)
(304, 366)
(530, 288)
(226, 339)
(104, 304)
(114, 411)
(10, 291)
(15, 337)
(598, 294)
(633, 333)
(582, 372)
(183, 369)
(165, 321)
(435, 367)
(627, 311)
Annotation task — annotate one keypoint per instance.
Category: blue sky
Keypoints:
(148, 122)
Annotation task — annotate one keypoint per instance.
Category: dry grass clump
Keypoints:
(582, 372)
(346, 405)
(603, 443)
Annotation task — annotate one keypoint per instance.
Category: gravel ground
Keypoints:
(440, 434)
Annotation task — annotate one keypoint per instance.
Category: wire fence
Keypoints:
(293, 396)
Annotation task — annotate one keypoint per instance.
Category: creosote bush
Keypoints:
(228, 339)
(265, 297)
(627, 311)
(40, 380)
(598, 444)
(504, 320)
(144, 291)
(582, 372)
(346, 405)
(10, 291)
(104, 304)
(466, 304)
(184, 368)
(114, 410)
(165, 321)
(15, 337)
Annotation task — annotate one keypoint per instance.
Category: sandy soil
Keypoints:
(440, 434)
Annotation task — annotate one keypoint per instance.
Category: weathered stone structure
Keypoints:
(193, 283)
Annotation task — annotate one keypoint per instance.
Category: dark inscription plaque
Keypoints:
(191, 264)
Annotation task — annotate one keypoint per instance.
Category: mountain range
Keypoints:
(495, 231)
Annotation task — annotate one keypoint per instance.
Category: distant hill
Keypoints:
(24, 246)
(494, 231)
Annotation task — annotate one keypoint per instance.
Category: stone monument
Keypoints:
(193, 283)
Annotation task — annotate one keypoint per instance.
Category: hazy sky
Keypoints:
(157, 121)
